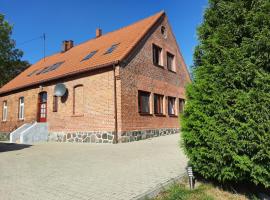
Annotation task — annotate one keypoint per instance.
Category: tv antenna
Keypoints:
(44, 47)
(43, 37)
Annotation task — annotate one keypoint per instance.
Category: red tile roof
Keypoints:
(126, 37)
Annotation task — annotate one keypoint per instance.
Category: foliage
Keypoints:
(10, 63)
(4, 136)
(226, 122)
(202, 191)
(180, 192)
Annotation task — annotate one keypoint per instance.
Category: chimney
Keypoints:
(66, 45)
(98, 32)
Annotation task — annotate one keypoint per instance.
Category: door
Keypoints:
(42, 107)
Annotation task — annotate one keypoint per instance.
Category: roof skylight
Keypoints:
(46, 69)
(32, 72)
(111, 49)
(90, 55)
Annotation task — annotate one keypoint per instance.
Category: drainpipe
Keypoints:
(115, 109)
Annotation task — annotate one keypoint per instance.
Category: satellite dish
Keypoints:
(60, 89)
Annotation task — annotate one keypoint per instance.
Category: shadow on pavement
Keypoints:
(12, 146)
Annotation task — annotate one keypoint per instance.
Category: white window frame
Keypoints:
(5, 111)
(21, 108)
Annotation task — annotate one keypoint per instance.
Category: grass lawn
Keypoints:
(202, 191)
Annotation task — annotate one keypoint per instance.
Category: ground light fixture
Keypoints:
(190, 177)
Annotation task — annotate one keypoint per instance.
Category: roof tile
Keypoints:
(127, 38)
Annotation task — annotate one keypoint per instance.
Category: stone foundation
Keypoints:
(130, 136)
(107, 137)
(82, 137)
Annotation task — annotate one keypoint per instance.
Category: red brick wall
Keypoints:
(98, 107)
(141, 74)
(30, 106)
(98, 94)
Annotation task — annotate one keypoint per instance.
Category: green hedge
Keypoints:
(226, 122)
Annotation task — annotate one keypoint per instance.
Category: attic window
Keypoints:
(111, 49)
(32, 72)
(51, 68)
(46, 69)
(163, 31)
(90, 55)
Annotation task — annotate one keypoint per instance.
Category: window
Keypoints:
(163, 31)
(5, 111)
(143, 102)
(55, 103)
(53, 67)
(111, 49)
(21, 108)
(46, 69)
(90, 55)
(170, 62)
(32, 72)
(78, 100)
(158, 104)
(181, 105)
(157, 55)
(171, 106)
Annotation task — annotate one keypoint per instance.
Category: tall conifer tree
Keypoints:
(226, 122)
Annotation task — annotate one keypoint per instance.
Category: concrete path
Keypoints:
(62, 171)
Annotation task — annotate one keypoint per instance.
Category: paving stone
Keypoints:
(79, 171)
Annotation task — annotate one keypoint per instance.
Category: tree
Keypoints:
(226, 122)
(10, 57)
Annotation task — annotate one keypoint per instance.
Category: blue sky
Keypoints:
(77, 20)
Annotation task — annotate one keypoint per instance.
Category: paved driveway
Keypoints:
(55, 171)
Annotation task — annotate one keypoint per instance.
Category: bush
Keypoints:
(4, 136)
(226, 122)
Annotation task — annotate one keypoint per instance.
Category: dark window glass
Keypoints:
(170, 61)
(181, 105)
(47, 69)
(55, 103)
(33, 72)
(164, 31)
(42, 71)
(111, 49)
(171, 106)
(43, 97)
(158, 104)
(55, 66)
(90, 55)
(157, 55)
(143, 99)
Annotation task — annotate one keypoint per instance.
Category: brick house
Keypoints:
(122, 86)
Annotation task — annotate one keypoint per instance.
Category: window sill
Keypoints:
(146, 114)
(173, 115)
(160, 66)
(82, 115)
(4, 121)
(172, 71)
(160, 115)
(20, 120)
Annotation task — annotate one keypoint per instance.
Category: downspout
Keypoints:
(115, 109)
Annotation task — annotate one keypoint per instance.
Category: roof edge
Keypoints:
(62, 76)
(122, 59)
(162, 14)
